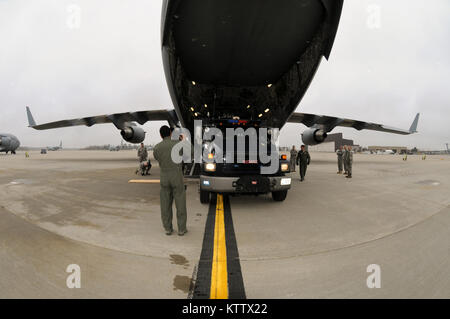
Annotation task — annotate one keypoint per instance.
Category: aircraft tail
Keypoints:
(31, 121)
(413, 128)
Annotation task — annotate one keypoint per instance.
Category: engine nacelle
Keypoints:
(314, 136)
(133, 134)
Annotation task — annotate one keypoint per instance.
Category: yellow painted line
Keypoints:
(219, 273)
(144, 181)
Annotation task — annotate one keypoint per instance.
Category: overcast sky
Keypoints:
(383, 68)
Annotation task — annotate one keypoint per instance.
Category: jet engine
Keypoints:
(314, 136)
(133, 134)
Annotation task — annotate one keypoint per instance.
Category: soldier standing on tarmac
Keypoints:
(293, 158)
(349, 160)
(340, 159)
(303, 160)
(344, 158)
(172, 183)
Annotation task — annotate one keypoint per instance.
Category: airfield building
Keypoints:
(332, 143)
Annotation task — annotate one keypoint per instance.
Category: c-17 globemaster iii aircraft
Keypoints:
(237, 63)
(8, 143)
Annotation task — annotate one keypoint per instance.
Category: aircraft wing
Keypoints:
(328, 123)
(118, 119)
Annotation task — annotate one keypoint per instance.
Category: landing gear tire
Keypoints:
(279, 196)
(204, 197)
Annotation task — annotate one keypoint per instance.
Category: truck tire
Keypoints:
(204, 197)
(279, 196)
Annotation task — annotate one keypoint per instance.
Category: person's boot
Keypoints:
(348, 176)
(169, 232)
(181, 233)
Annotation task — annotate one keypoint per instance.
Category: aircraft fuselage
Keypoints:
(250, 59)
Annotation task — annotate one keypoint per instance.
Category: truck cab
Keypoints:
(241, 171)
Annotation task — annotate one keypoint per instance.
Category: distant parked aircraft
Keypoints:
(385, 152)
(8, 143)
(55, 148)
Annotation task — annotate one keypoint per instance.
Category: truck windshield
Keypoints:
(247, 143)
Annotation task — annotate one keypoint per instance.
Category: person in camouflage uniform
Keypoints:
(340, 159)
(344, 158)
(144, 162)
(349, 161)
(293, 159)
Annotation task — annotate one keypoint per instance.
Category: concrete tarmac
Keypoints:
(77, 207)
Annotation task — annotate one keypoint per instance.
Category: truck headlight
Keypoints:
(210, 167)
(284, 167)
